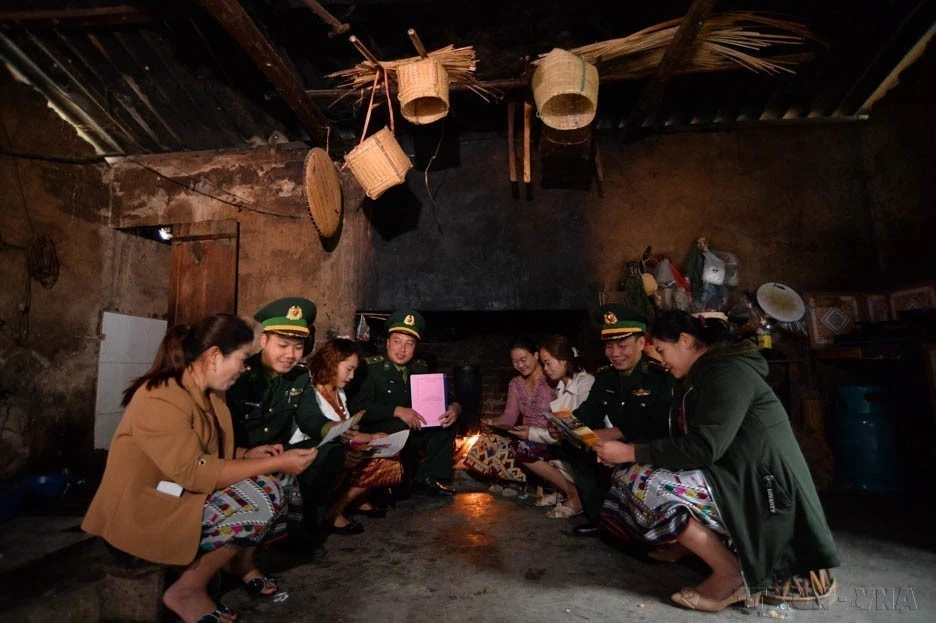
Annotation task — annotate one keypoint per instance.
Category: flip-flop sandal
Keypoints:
(256, 586)
(563, 512)
(550, 499)
(215, 616)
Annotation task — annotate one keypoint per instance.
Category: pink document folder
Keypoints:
(429, 396)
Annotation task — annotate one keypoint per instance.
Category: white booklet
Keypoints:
(333, 433)
(387, 446)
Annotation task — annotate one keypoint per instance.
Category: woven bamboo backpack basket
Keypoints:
(423, 91)
(565, 89)
(378, 163)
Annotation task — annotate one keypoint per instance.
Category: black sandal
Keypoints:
(215, 616)
(256, 586)
(374, 513)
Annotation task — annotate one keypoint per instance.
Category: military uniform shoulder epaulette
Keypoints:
(604, 369)
(374, 359)
(302, 365)
(420, 362)
(657, 366)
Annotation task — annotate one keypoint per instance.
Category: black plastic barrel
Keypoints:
(466, 380)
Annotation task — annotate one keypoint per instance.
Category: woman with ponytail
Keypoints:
(176, 490)
(564, 369)
(729, 484)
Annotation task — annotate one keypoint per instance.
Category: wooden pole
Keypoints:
(417, 43)
(527, 123)
(235, 20)
(365, 52)
(512, 141)
(336, 27)
(652, 94)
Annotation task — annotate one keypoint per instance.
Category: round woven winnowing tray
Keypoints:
(780, 302)
(323, 192)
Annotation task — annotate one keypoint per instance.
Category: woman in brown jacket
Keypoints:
(176, 490)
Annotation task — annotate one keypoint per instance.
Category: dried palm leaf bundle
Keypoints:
(460, 63)
(725, 40)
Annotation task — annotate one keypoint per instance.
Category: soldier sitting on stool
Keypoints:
(629, 400)
(382, 389)
(266, 400)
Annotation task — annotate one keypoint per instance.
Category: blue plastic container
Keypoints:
(866, 456)
(10, 501)
(48, 485)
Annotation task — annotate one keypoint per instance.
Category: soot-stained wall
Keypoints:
(790, 203)
(49, 356)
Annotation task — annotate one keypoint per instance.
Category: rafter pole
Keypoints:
(241, 27)
(673, 57)
(336, 26)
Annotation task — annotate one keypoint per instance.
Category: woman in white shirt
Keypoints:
(563, 367)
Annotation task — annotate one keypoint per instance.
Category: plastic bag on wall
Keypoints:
(713, 268)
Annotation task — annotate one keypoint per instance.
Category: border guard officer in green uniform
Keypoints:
(382, 389)
(268, 397)
(630, 400)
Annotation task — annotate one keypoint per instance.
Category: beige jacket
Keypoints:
(166, 433)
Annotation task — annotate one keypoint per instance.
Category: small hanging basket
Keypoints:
(378, 163)
(423, 91)
(565, 89)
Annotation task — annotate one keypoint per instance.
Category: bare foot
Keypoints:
(718, 587)
(191, 605)
(340, 521)
(366, 506)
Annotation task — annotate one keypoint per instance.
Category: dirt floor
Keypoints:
(481, 557)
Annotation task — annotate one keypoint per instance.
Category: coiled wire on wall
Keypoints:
(42, 261)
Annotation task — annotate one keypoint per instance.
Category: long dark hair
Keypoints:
(324, 362)
(561, 348)
(525, 342)
(670, 324)
(182, 345)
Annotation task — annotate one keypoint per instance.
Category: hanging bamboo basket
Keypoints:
(423, 91)
(378, 163)
(565, 89)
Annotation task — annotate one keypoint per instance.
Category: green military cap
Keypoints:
(617, 321)
(406, 321)
(290, 316)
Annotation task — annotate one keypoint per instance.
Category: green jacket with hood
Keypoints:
(739, 435)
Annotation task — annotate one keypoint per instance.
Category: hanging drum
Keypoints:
(378, 163)
(323, 192)
(423, 91)
(565, 89)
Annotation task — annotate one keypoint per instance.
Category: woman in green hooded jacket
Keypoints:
(729, 474)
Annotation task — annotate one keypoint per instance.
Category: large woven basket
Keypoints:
(423, 91)
(565, 89)
(378, 163)
(817, 591)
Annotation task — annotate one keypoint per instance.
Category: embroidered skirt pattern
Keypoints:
(532, 451)
(492, 457)
(654, 505)
(241, 514)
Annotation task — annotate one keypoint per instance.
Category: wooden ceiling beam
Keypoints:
(673, 57)
(242, 28)
(113, 15)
